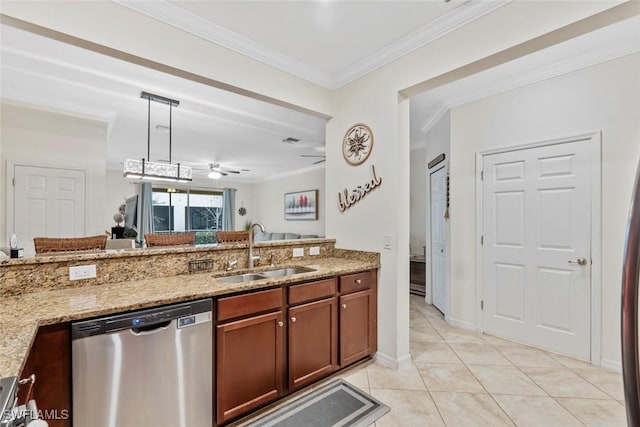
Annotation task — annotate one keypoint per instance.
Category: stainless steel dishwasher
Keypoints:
(146, 368)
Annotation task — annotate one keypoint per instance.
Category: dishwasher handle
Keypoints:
(151, 329)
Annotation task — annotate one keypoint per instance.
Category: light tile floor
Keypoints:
(460, 378)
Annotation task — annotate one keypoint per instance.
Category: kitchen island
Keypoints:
(62, 301)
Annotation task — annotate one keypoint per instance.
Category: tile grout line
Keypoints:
(476, 378)
(519, 368)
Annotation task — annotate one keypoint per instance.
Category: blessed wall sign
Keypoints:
(347, 198)
(357, 145)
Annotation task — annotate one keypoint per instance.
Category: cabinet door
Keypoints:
(357, 326)
(250, 363)
(313, 345)
(50, 360)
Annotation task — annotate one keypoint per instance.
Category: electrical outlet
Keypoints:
(82, 272)
(298, 252)
(314, 250)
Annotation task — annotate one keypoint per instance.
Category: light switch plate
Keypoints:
(387, 241)
(298, 252)
(314, 250)
(82, 272)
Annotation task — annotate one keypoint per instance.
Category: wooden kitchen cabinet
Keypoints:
(50, 360)
(313, 341)
(358, 317)
(250, 358)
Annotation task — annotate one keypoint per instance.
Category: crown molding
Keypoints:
(65, 109)
(221, 112)
(557, 69)
(450, 21)
(434, 116)
(177, 17)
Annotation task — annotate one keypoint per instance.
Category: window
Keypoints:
(188, 210)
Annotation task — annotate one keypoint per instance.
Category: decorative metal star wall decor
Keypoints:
(357, 144)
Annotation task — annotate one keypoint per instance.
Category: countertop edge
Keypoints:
(19, 350)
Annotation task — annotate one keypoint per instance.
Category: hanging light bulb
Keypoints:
(214, 174)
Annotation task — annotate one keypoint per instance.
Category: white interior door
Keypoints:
(438, 204)
(537, 246)
(48, 202)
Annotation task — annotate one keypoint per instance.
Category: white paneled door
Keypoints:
(438, 203)
(537, 246)
(48, 202)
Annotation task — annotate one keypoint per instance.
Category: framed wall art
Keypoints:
(302, 205)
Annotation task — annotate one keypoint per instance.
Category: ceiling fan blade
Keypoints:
(311, 155)
(319, 161)
(229, 171)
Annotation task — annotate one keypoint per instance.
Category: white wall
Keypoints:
(418, 201)
(42, 138)
(269, 202)
(601, 98)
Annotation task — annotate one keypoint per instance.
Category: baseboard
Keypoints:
(612, 365)
(463, 324)
(392, 362)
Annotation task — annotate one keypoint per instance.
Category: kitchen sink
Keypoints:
(267, 274)
(239, 278)
(281, 272)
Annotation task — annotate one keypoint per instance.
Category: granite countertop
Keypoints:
(20, 316)
(129, 253)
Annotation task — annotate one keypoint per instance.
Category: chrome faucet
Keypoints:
(231, 264)
(262, 229)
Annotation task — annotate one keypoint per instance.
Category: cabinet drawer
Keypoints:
(311, 291)
(357, 282)
(243, 305)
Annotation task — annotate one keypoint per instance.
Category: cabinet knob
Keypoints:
(344, 305)
(281, 323)
(358, 281)
(293, 319)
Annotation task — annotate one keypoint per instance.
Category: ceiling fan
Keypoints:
(323, 157)
(216, 171)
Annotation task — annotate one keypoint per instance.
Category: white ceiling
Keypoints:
(332, 39)
(327, 42)
(209, 125)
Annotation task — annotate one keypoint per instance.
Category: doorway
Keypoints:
(47, 201)
(438, 249)
(537, 219)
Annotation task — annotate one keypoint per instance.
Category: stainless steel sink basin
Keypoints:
(239, 278)
(268, 274)
(281, 272)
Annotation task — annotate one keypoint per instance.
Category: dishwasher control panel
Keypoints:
(187, 314)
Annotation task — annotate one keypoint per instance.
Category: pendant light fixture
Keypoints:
(145, 169)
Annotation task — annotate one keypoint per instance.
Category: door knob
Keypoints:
(579, 261)
(344, 305)
(293, 319)
(281, 323)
